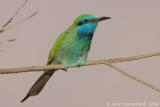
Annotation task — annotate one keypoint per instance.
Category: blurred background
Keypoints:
(133, 30)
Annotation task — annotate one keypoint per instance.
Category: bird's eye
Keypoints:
(86, 20)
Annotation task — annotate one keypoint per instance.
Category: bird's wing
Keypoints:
(56, 46)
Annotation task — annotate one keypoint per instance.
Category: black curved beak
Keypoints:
(99, 19)
(103, 18)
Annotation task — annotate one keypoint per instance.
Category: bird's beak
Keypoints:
(100, 19)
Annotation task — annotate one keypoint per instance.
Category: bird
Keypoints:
(71, 48)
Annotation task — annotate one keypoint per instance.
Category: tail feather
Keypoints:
(38, 85)
(25, 98)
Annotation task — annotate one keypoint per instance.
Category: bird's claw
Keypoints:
(64, 69)
(80, 64)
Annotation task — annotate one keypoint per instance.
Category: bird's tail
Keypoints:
(39, 84)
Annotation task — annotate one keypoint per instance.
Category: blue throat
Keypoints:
(86, 30)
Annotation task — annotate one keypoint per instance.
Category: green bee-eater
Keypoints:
(70, 49)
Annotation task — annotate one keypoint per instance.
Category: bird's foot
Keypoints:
(80, 64)
(64, 69)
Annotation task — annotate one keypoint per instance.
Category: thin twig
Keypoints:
(134, 77)
(12, 40)
(11, 19)
(6, 26)
(17, 23)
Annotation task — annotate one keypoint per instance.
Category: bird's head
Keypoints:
(86, 24)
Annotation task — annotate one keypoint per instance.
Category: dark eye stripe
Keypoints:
(80, 23)
(83, 22)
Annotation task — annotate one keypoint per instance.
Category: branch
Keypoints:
(91, 62)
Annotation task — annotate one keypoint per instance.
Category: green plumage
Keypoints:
(70, 49)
